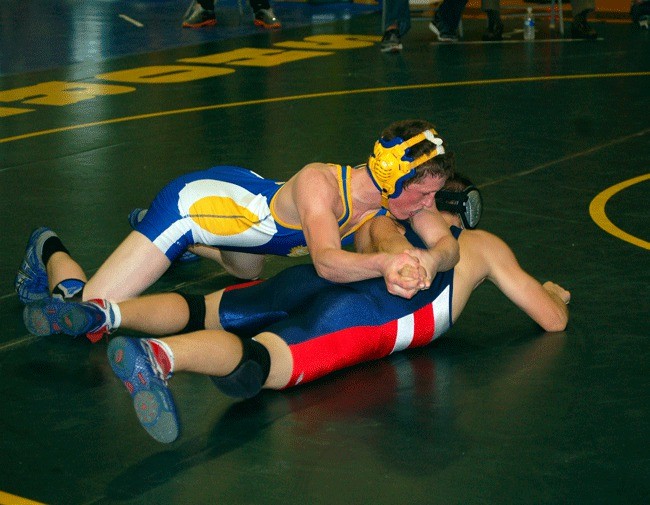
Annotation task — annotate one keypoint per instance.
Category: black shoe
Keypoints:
(494, 32)
(640, 13)
(441, 32)
(266, 19)
(580, 29)
(391, 42)
(198, 17)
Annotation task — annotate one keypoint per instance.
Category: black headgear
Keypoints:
(468, 204)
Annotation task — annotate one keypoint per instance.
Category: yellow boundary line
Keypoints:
(10, 499)
(597, 211)
(323, 95)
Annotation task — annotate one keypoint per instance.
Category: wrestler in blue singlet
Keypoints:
(331, 326)
(230, 208)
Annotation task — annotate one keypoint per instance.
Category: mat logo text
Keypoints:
(62, 93)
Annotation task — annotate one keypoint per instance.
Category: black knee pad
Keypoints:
(247, 379)
(196, 304)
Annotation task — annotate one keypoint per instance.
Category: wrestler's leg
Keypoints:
(169, 313)
(243, 265)
(134, 266)
(281, 360)
(238, 367)
(344, 325)
(238, 264)
(159, 314)
(212, 304)
(247, 311)
(218, 352)
(62, 267)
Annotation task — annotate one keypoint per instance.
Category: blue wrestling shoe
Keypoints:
(52, 316)
(134, 364)
(31, 279)
(137, 215)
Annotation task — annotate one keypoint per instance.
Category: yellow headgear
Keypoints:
(390, 165)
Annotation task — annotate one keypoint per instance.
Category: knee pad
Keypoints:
(69, 288)
(247, 379)
(196, 305)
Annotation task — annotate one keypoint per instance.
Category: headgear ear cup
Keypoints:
(473, 208)
(391, 165)
(468, 204)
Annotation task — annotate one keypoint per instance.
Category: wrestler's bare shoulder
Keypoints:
(320, 177)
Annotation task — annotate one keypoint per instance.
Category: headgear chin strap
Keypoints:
(468, 204)
(391, 165)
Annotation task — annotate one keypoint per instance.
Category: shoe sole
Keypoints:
(209, 22)
(257, 22)
(53, 316)
(152, 400)
(394, 49)
(439, 35)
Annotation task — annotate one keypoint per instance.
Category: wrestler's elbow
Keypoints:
(557, 321)
(326, 271)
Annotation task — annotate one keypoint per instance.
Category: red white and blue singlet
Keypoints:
(332, 326)
(230, 208)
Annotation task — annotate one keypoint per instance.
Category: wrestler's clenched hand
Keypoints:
(406, 276)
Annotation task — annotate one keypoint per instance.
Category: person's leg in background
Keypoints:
(495, 26)
(398, 23)
(580, 28)
(640, 13)
(263, 14)
(200, 13)
(444, 24)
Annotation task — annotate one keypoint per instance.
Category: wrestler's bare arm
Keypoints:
(319, 211)
(442, 251)
(545, 304)
(384, 234)
(483, 256)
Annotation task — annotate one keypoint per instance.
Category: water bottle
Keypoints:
(529, 25)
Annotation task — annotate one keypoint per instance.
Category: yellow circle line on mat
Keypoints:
(597, 211)
(323, 95)
(10, 499)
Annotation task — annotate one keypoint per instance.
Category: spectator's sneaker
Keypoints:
(266, 19)
(137, 215)
(53, 316)
(134, 363)
(441, 33)
(391, 42)
(31, 279)
(198, 17)
(640, 13)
